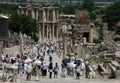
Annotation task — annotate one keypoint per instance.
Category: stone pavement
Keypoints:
(67, 80)
(22, 79)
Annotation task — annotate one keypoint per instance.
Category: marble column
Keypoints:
(53, 32)
(64, 46)
(57, 15)
(26, 12)
(36, 14)
(33, 13)
(47, 32)
(22, 11)
(40, 35)
(54, 15)
(43, 27)
(48, 15)
(21, 43)
(50, 32)
(57, 32)
(44, 16)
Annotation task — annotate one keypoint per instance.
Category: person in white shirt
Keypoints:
(3, 57)
(82, 68)
(29, 71)
(44, 69)
(25, 68)
(78, 70)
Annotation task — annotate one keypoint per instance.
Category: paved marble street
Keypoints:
(67, 79)
(22, 79)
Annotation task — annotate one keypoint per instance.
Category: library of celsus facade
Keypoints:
(47, 18)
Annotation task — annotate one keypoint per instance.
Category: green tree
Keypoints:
(88, 5)
(69, 9)
(23, 24)
(112, 15)
(8, 8)
(93, 15)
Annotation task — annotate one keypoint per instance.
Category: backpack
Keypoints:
(55, 69)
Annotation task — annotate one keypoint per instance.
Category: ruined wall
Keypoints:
(82, 17)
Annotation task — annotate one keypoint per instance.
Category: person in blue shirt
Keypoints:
(55, 70)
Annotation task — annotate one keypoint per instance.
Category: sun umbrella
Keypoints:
(72, 65)
(28, 60)
(38, 62)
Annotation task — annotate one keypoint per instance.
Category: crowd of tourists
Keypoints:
(34, 64)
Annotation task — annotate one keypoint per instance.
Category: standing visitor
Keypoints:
(50, 58)
(82, 68)
(78, 70)
(87, 70)
(13, 59)
(29, 71)
(25, 68)
(50, 69)
(20, 68)
(7, 58)
(63, 70)
(41, 69)
(100, 70)
(42, 58)
(44, 69)
(3, 57)
(55, 70)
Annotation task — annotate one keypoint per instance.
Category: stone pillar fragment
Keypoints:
(43, 27)
(53, 31)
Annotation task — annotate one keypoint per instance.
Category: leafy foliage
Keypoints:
(69, 9)
(8, 8)
(112, 14)
(88, 5)
(96, 41)
(23, 24)
(93, 15)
